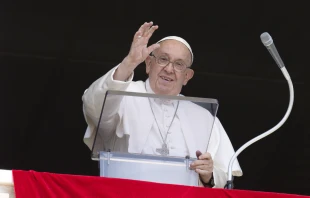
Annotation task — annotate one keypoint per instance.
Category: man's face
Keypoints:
(165, 80)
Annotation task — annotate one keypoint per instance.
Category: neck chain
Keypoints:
(164, 139)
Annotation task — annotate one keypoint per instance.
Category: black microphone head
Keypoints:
(266, 39)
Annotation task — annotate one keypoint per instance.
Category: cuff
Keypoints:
(210, 184)
(116, 84)
(129, 79)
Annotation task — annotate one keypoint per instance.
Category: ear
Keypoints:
(189, 73)
(148, 64)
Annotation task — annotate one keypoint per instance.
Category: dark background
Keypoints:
(50, 52)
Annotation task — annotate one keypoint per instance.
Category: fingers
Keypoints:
(146, 30)
(150, 31)
(153, 47)
(204, 160)
(201, 164)
(204, 167)
(203, 172)
(137, 35)
(205, 156)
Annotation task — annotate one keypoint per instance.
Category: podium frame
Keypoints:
(161, 169)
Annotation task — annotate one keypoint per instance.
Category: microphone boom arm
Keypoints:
(229, 184)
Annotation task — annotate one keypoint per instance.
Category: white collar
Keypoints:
(158, 100)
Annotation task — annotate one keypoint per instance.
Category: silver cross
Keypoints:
(163, 150)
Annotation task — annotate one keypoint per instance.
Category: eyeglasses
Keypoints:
(163, 61)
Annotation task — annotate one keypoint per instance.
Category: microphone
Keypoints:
(268, 42)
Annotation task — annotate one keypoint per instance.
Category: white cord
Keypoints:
(291, 89)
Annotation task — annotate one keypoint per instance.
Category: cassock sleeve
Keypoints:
(222, 156)
(93, 99)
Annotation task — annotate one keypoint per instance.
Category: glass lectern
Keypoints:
(149, 137)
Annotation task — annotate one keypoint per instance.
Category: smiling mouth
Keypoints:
(166, 78)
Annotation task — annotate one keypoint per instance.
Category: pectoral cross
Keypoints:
(163, 150)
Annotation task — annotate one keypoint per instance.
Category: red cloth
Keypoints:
(31, 184)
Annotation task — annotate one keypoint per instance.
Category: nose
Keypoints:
(169, 68)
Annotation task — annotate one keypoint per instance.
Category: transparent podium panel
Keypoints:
(152, 137)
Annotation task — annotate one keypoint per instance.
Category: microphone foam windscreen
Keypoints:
(266, 39)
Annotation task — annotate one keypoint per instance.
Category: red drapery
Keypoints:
(32, 184)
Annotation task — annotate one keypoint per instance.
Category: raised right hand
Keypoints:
(138, 51)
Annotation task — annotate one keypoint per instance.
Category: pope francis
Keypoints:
(156, 126)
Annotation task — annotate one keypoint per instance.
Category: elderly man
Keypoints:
(168, 65)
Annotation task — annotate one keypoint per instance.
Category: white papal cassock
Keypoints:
(129, 125)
